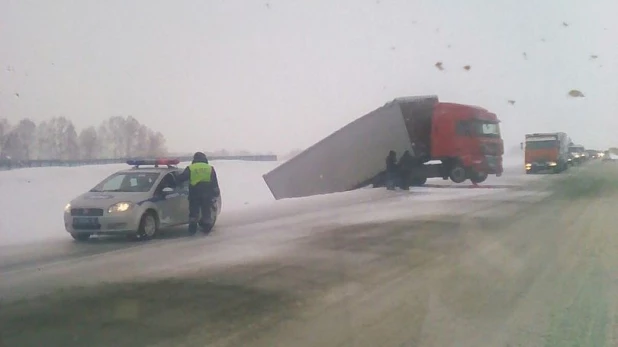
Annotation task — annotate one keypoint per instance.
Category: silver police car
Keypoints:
(136, 202)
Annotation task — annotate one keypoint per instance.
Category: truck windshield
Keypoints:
(545, 144)
(483, 128)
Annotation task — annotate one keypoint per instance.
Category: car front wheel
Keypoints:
(148, 226)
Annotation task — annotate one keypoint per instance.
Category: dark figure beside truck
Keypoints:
(405, 168)
(392, 172)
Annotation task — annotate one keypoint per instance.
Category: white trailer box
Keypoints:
(354, 154)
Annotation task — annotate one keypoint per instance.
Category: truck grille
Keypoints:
(89, 212)
(493, 161)
(491, 148)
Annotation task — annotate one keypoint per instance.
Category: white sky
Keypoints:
(280, 74)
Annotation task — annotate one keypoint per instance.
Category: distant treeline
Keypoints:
(57, 139)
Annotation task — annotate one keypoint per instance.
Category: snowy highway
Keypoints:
(336, 270)
(257, 230)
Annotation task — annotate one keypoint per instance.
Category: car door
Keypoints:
(167, 203)
(183, 202)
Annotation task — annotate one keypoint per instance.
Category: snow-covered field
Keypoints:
(32, 200)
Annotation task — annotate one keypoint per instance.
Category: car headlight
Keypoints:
(552, 163)
(120, 207)
(67, 208)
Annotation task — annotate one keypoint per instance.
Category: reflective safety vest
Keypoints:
(200, 172)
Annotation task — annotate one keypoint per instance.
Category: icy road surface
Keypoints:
(492, 267)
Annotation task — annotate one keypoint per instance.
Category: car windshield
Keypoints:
(544, 144)
(134, 182)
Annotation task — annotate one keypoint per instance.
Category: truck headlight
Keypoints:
(120, 207)
(528, 165)
(67, 208)
(552, 163)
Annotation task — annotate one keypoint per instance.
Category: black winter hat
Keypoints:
(200, 156)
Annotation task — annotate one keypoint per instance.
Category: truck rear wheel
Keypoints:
(458, 174)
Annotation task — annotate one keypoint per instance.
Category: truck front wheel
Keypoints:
(458, 174)
(478, 177)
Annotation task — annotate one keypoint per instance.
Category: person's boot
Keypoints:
(206, 227)
(192, 228)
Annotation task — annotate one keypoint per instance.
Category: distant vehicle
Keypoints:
(594, 154)
(136, 202)
(464, 140)
(546, 152)
(609, 156)
(577, 154)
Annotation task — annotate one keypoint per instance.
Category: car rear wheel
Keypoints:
(80, 236)
(206, 228)
(148, 226)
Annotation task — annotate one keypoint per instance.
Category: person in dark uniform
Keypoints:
(405, 170)
(203, 190)
(391, 170)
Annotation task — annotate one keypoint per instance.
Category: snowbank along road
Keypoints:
(531, 264)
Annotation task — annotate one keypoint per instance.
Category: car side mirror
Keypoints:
(167, 190)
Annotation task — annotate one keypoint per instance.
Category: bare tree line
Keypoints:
(57, 138)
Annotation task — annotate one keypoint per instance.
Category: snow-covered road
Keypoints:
(269, 259)
(38, 256)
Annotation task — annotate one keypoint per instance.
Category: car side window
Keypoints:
(184, 186)
(166, 182)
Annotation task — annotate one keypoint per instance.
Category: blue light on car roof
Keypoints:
(154, 162)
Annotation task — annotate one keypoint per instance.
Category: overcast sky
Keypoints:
(281, 74)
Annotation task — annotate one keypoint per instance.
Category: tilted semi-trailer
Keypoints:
(464, 139)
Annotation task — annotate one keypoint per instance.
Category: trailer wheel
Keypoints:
(478, 177)
(458, 173)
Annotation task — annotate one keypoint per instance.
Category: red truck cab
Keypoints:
(466, 139)
(469, 137)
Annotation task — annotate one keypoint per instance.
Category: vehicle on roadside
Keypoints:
(577, 154)
(136, 202)
(446, 140)
(546, 152)
(594, 154)
(608, 156)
